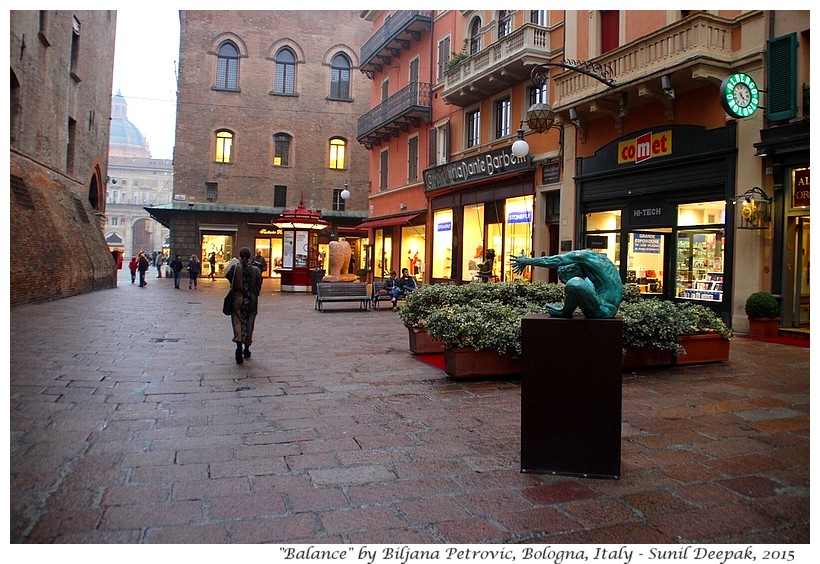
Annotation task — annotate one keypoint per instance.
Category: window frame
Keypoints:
(413, 159)
(227, 76)
(333, 153)
(503, 117)
(220, 146)
(472, 128)
(443, 50)
(281, 149)
(504, 23)
(475, 35)
(340, 86)
(284, 85)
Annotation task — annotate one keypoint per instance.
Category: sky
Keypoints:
(146, 57)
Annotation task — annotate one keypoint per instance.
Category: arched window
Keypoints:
(224, 146)
(227, 67)
(504, 23)
(337, 153)
(285, 80)
(475, 36)
(340, 77)
(281, 149)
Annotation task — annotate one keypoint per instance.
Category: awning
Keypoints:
(389, 221)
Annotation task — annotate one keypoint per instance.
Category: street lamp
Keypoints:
(345, 192)
(540, 118)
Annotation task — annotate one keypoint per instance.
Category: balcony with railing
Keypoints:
(405, 109)
(388, 41)
(701, 47)
(506, 62)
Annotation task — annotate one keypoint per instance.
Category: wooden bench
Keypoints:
(376, 298)
(342, 292)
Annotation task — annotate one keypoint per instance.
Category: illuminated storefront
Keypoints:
(663, 221)
(480, 203)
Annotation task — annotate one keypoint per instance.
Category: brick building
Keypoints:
(61, 73)
(266, 117)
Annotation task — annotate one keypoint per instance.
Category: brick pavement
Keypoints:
(131, 423)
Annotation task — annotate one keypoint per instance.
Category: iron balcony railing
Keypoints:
(402, 24)
(407, 106)
(699, 39)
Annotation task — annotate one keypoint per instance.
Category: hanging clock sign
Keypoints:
(739, 95)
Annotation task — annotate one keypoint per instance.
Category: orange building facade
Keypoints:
(642, 161)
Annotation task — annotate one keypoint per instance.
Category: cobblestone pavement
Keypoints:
(132, 423)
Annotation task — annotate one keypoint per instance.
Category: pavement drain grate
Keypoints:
(162, 340)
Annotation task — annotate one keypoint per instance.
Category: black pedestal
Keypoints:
(571, 396)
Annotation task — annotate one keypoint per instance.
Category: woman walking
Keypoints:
(194, 269)
(246, 283)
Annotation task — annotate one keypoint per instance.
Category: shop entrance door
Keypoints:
(798, 269)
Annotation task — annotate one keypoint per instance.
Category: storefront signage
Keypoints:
(645, 147)
(485, 165)
(739, 95)
(265, 231)
(646, 243)
(802, 188)
(519, 217)
(445, 226)
(648, 214)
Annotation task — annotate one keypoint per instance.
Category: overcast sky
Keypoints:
(145, 65)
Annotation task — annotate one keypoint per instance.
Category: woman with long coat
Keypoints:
(246, 283)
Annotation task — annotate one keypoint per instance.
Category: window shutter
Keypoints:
(781, 101)
(446, 149)
(431, 147)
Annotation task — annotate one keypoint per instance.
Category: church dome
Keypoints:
(125, 139)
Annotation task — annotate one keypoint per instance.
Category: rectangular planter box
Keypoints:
(645, 357)
(422, 343)
(470, 363)
(700, 349)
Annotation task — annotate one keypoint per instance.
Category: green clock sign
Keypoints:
(739, 95)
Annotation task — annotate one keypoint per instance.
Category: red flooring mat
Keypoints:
(435, 360)
(793, 341)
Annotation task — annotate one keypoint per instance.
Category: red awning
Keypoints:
(389, 221)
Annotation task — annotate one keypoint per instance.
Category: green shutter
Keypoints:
(781, 102)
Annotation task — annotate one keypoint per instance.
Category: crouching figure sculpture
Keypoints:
(592, 282)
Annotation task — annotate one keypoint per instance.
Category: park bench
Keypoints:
(342, 292)
(376, 297)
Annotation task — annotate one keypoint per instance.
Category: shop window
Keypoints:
(383, 253)
(412, 250)
(700, 264)
(517, 234)
(442, 244)
(603, 234)
(700, 248)
(473, 252)
(646, 259)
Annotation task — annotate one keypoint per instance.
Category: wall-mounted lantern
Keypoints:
(755, 210)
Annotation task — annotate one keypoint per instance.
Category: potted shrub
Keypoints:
(661, 332)
(416, 309)
(652, 331)
(763, 312)
(705, 337)
(481, 338)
